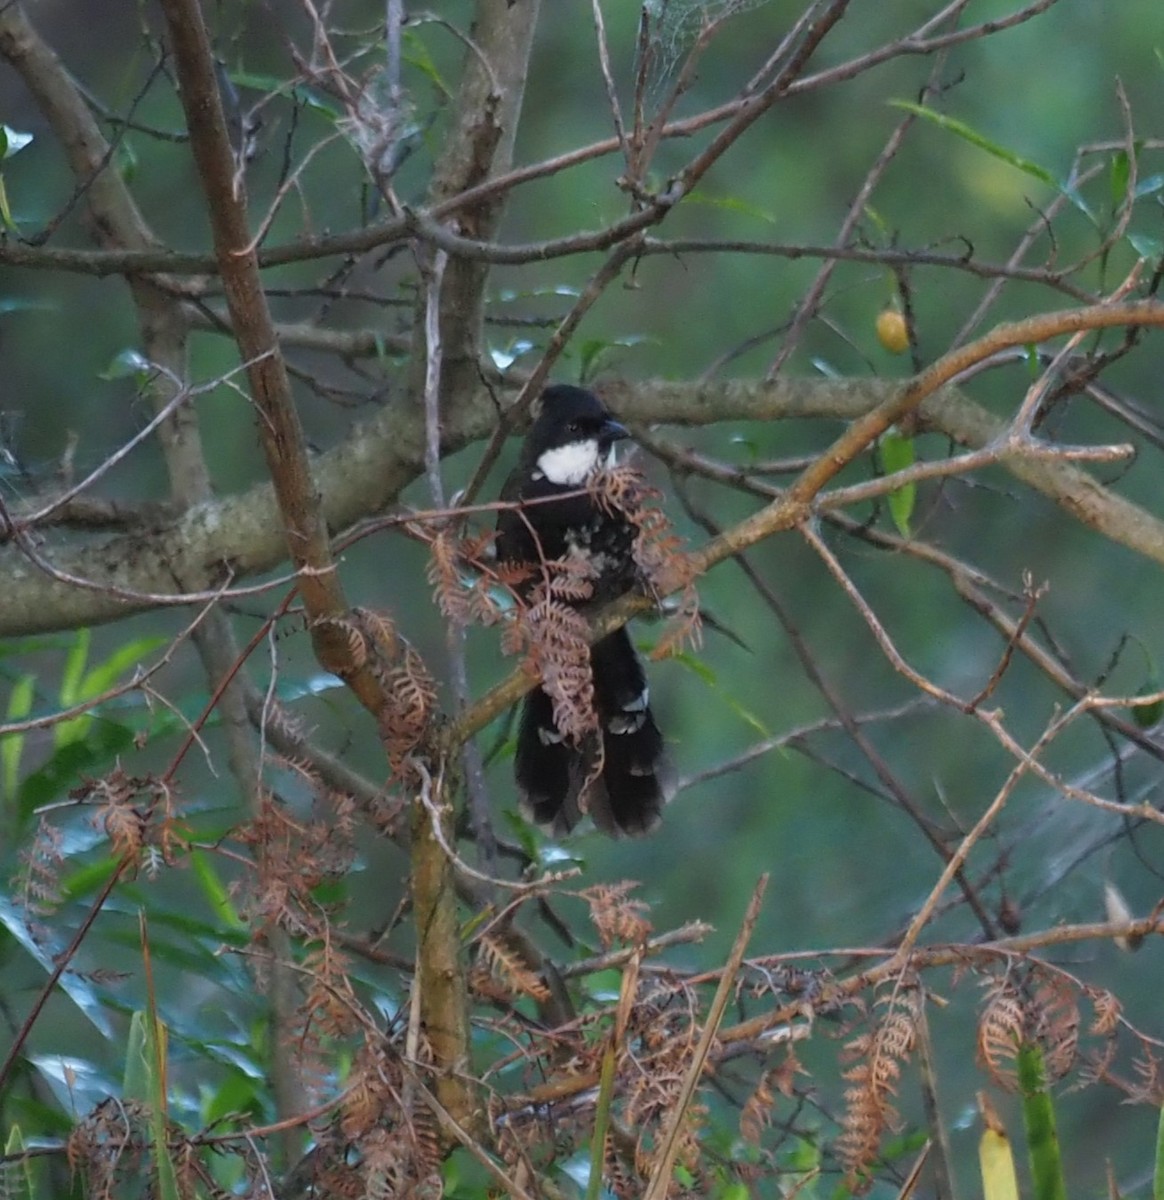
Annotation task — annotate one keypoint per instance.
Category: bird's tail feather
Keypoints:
(626, 792)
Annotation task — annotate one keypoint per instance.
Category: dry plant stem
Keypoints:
(665, 1160)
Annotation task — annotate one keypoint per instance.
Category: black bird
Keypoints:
(572, 438)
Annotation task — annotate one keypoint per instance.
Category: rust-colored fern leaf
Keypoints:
(869, 1100)
(1107, 1010)
(411, 693)
(560, 653)
(505, 964)
(1001, 1029)
(1053, 1020)
(616, 917)
(756, 1114)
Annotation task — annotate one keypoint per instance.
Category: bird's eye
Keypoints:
(574, 427)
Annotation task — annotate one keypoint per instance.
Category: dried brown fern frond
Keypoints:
(372, 1094)
(1001, 1030)
(411, 694)
(504, 963)
(107, 1146)
(38, 884)
(1149, 1086)
(756, 1113)
(658, 551)
(616, 917)
(1107, 1010)
(330, 1006)
(869, 1100)
(560, 652)
(1053, 1021)
(444, 576)
(116, 797)
(292, 857)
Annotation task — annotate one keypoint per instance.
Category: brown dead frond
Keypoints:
(412, 694)
(1001, 1028)
(292, 857)
(1053, 1022)
(869, 1100)
(1107, 1009)
(108, 1146)
(501, 962)
(559, 651)
(616, 917)
(756, 1114)
(42, 864)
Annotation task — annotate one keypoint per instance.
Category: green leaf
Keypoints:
(593, 350)
(1148, 248)
(68, 764)
(271, 85)
(971, 135)
(17, 1176)
(75, 668)
(136, 1083)
(732, 204)
(1118, 178)
(897, 453)
(215, 891)
(12, 746)
(416, 54)
(1149, 186)
(700, 669)
(100, 679)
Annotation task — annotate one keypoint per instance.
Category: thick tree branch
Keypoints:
(368, 471)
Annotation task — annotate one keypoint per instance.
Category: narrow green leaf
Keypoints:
(100, 679)
(74, 670)
(215, 891)
(106, 673)
(1039, 1118)
(416, 55)
(1118, 178)
(12, 746)
(897, 453)
(17, 1175)
(137, 1083)
(700, 669)
(971, 135)
(732, 204)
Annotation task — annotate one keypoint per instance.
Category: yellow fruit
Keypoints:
(891, 331)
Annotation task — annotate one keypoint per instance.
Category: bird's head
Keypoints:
(573, 436)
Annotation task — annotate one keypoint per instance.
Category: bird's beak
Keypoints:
(613, 431)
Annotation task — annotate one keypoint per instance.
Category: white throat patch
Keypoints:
(570, 465)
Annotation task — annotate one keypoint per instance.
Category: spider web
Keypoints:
(675, 25)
